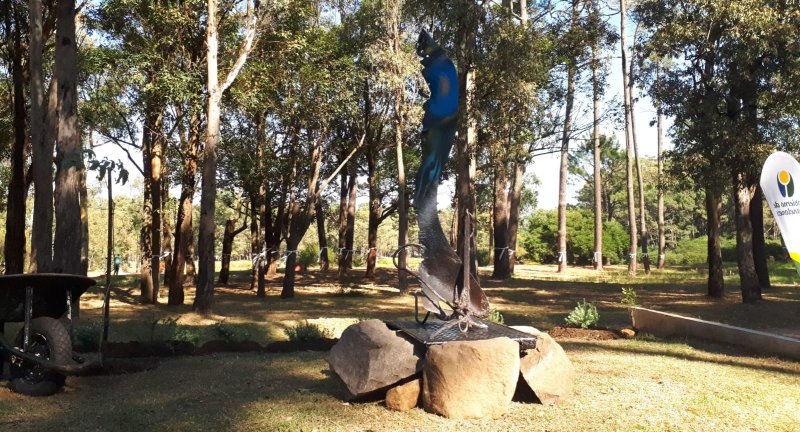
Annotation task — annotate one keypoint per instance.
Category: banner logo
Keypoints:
(785, 184)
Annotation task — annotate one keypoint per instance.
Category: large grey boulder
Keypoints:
(470, 379)
(370, 357)
(547, 370)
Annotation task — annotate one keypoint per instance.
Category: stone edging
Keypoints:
(665, 324)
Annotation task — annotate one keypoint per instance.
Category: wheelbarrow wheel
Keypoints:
(49, 340)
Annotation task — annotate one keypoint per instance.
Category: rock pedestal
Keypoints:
(370, 357)
(404, 396)
(471, 379)
(547, 370)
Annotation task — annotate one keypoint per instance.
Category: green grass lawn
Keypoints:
(643, 384)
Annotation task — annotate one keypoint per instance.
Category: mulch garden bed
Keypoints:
(581, 333)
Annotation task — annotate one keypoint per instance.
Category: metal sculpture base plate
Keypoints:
(426, 333)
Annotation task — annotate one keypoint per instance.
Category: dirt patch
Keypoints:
(134, 349)
(122, 366)
(581, 333)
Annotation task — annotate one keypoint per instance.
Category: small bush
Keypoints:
(230, 333)
(88, 336)
(496, 316)
(359, 259)
(168, 329)
(483, 257)
(186, 334)
(584, 315)
(308, 256)
(306, 332)
(629, 297)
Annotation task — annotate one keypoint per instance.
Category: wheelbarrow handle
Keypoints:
(67, 369)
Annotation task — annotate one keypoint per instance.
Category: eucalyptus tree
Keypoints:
(728, 95)
(205, 278)
(15, 30)
(516, 64)
(69, 161)
(43, 101)
(632, 248)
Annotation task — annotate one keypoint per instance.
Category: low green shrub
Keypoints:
(629, 297)
(87, 336)
(483, 257)
(308, 256)
(496, 316)
(584, 315)
(306, 332)
(230, 333)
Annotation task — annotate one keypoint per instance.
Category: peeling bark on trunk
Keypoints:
(183, 256)
(156, 161)
(514, 200)
(227, 248)
(632, 263)
(751, 291)
(500, 223)
(350, 226)
(41, 256)
(343, 194)
(14, 247)
(716, 283)
(375, 210)
(324, 263)
(69, 163)
(146, 237)
(597, 153)
(563, 171)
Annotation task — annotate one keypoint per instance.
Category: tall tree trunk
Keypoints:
(343, 194)
(69, 162)
(597, 151)
(375, 210)
(399, 122)
(83, 196)
(662, 240)
(743, 194)
(14, 247)
(205, 281)
(716, 283)
(146, 236)
(255, 240)
(514, 202)
(324, 263)
(500, 223)
(466, 165)
(227, 248)
(466, 140)
(166, 227)
(759, 250)
(183, 222)
(350, 228)
(643, 237)
(563, 171)
(156, 161)
(628, 146)
(41, 257)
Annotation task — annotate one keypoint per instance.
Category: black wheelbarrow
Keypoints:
(40, 356)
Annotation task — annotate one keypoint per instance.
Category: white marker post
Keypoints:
(779, 179)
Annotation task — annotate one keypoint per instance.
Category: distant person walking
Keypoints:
(117, 262)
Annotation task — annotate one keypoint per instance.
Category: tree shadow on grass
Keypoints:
(219, 392)
(687, 349)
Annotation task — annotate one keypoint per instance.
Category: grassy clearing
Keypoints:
(649, 385)
(621, 385)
